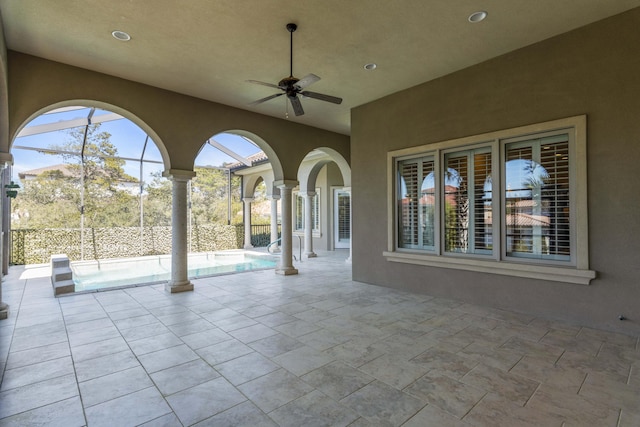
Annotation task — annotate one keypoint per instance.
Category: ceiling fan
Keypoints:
(292, 86)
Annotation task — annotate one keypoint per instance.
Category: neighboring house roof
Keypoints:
(30, 174)
(255, 159)
(66, 172)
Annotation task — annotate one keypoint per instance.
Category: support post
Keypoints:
(308, 224)
(179, 262)
(285, 266)
(274, 222)
(247, 222)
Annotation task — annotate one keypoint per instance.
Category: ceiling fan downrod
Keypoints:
(291, 27)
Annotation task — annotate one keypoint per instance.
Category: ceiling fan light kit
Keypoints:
(292, 86)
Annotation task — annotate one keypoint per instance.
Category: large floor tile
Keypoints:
(446, 393)
(166, 358)
(274, 390)
(39, 394)
(246, 368)
(129, 410)
(181, 377)
(37, 372)
(244, 414)
(223, 351)
(383, 404)
(337, 380)
(108, 387)
(105, 365)
(65, 413)
(314, 409)
(205, 400)
(302, 360)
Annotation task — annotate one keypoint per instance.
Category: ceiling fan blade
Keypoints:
(322, 97)
(260, 101)
(297, 105)
(307, 80)
(263, 84)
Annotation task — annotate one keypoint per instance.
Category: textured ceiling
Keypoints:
(209, 49)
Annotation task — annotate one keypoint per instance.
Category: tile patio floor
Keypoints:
(257, 349)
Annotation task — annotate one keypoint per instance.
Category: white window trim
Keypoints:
(300, 231)
(579, 273)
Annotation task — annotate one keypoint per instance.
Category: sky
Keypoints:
(128, 138)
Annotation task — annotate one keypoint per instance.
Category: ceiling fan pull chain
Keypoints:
(286, 108)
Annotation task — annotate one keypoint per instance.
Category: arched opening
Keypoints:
(89, 179)
(246, 158)
(323, 202)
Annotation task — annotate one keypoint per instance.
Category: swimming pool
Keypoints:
(115, 273)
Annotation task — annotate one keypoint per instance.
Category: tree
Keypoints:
(92, 183)
(157, 202)
(209, 196)
(48, 201)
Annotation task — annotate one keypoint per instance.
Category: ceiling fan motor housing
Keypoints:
(288, 82)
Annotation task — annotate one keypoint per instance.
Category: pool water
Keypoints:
(112, 273)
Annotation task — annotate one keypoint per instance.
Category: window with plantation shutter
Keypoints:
(416, 203)
(299, 212)
(467, 202)
(537, 198)
(505, 202)
(315, 212)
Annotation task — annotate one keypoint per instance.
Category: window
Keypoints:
(467, 201)
(417, 203)
(299, 212)
(503, 203)
(537, 198)
(315, 212)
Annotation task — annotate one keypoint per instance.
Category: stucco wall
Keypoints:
(180, 123)
(4, 100)
(595, 71)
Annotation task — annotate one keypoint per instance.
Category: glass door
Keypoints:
(342, 219)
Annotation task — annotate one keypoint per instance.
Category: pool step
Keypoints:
(61, 275)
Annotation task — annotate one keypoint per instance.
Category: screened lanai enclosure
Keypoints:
(90, 185)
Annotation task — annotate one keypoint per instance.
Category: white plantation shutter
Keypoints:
(416, 203)
(467, 223)
(537, 208)
(408, 204)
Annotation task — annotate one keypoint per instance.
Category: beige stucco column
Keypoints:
(5, 160)
(285, 266)
(179, 250)
(274, 223)
(308, 225)
(247, 222)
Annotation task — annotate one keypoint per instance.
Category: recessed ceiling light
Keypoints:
(477, 16)
(370, 67)
(121, 35)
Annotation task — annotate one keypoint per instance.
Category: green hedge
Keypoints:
(37, 246)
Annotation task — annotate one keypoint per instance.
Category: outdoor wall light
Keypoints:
(12, 189)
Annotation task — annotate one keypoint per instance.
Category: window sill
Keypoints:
(556, 274)
(301, 234)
